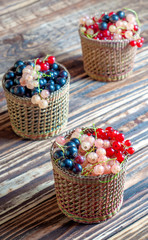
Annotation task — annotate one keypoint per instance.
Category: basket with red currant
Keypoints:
(37, 94)
(89, 166)
(93, 152)
(109, 44)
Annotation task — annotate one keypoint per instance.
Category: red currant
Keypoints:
(120, 137)
(100, 20)
(111, 13)
(102, 15)
(106, 33)
(120, 157)
(110, 152)
(38, 61)
(116, 145)
(109, 129)
(131, 150)
(47, 63)
(133, 43)
(96, 38)
(104, 136)
(91, 26)
(114, 134)
(139, 44)
(88, 134)
(44, 67)
(100, 130)
(122, 149)
(96, 27)
(100, 35)
(136, 28)
(142, 39)
(128, 143)
(51, 59)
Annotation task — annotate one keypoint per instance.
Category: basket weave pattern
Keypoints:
(29, 121)
(106, 60)
(86, 199)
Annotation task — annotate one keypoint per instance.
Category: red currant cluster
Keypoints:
(138, 42)
(45, 64)
(112, 26)
(95, 152)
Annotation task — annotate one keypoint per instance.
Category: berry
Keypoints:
(71, 152)
(18, 63)
(136, 28)
(30, 63)
(69, 144)
(111, 13)
(109, 129)
(42, 82)
(114, 18)
(51, 59)
(51, 82)
(38, 61)
(139, 44)
(77, 168)
(51, 87)
(105, 18)
(106, 33)
(76, 141)
(44, 67)
(142, 39)
(121, 14)
(35, 91)
(55, 73)
(133, 43)
(120, 137)
(61, 81)
(17, 80)
(19, 90)
(12, 89)
(8, 83)
(57, 87)
(103, 26)
(131, 150)
(58, 155)
(10, 75)
(20, 69)
(109, 152)
(68, 163)
(128, 143)
(96, 27)
(54, 66)
(79, 159)
(63, 74)
(50, 75)
(116, 145)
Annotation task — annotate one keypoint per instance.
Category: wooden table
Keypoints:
(28, 208)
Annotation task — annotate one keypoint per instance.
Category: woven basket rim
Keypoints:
(79, 176)
(106, 41)
(28, 99)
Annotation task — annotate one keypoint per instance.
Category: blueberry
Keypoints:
(18, 63)
(35, 91)
(19, 90)
(42, 82)
(10, 75)
(61, 81)
(58, 155)
(51, 87)
(69, 144)
(68, 163)
(17, 80)
(105, 18)
(20, 69)
(57, 87)
(8, 83)
(77, 168)
(54, 66)
(12, 89)
(71, 152)
(103, 26)
(56, 73)
(121, 14)
(62, 164)
(30, 63)
(76, 141)
(50, 82)
(114, 18)
(63, 74)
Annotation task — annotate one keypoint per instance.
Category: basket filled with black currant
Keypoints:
(109, 44)
(89, 166)
(37, 94)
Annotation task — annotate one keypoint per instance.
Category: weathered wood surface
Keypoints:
(28, 208)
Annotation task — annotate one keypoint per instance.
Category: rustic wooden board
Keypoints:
(28, 208)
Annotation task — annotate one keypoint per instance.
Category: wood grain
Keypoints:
(28, 208)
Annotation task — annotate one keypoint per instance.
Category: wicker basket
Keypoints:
(88, 199)
(29, 121)
(106, 60)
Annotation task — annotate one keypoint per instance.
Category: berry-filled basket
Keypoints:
(92, 194)
(109, 45)
(38, 108)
